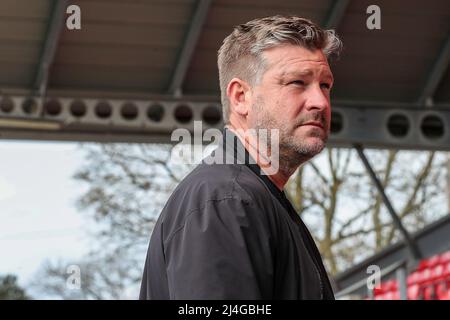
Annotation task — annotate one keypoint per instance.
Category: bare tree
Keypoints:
(413, 180)
(10, 289)
(128, 185)
(112, 276)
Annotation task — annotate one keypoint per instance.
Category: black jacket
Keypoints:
(227, 232)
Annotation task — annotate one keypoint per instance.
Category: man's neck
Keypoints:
(281, 176)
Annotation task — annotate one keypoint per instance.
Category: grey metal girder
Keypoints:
(373, 127)
(190, 42)
(54, 30)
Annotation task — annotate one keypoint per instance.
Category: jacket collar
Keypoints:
(235, 151)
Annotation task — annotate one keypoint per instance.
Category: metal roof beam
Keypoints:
(372, 126)
(190, 42)
(436, 74)
(54, 30)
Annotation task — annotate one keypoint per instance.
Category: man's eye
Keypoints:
(298, 82)
(325, 86)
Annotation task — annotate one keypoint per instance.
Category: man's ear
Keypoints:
(239, 95)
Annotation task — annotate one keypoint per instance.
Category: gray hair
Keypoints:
(241, 52)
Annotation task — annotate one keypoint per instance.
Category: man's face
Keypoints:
(293, 95)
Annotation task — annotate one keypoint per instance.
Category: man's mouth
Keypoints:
(314, 124)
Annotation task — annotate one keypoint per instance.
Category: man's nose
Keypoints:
(317, 99)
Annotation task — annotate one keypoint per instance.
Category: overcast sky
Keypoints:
(38, 219)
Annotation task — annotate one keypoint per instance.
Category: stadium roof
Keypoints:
(137, 69)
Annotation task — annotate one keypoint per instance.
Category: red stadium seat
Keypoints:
(431, 280)
(428, 293)
(380, 297)
(425, 276)
(388, 285)
(445, 257)
(423, 264)
(389, 295)
(433, 261)
(444, 295)
(413, 292)
(437, 273)
(442, 291)
(396, 295)
(391, 285)
(447, 270)
(413, 278)
(378, 291)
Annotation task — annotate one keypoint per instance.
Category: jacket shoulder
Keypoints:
(213, 183)
(218, 182)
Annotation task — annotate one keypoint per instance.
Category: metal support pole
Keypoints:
(370, 294)
(414, 251)
(402, 285)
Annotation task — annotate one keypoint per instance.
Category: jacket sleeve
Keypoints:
(222, 251)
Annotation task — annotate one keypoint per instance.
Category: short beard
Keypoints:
(299, 151)
(292, 152)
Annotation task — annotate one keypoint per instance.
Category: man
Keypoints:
(228, 231)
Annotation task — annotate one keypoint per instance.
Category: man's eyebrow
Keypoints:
(299, 73)
(305, 73)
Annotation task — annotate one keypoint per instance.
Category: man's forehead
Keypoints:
(295, 51)
(302, 69)
(284, 60)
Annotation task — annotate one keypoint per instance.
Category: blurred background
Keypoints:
(91, 91)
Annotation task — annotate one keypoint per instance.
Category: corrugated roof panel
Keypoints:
(135, 12)
(443, 91)
(90, 77)
(419, 8)
(134, 45)
(228, 16)
(115, 34)
(359, 71)
(276, 5)
(395, 60)
(15, 75)
(117, 55)
(138, 37)
(19, 52)
(22, 28)
(25, 9)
